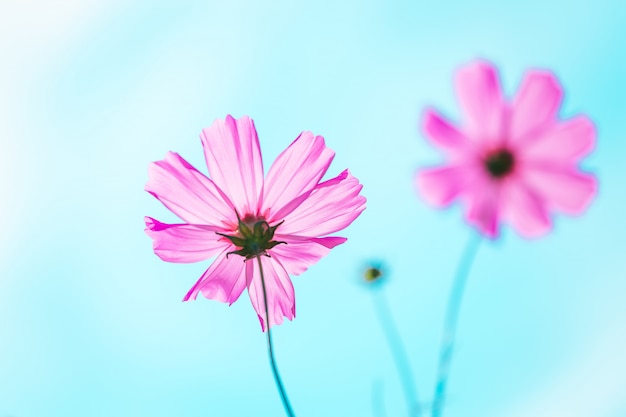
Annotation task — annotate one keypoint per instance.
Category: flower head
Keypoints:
(374, 273)
(237, 214)
(510, 160)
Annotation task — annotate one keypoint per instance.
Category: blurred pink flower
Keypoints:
(511, 160)
(238, 215)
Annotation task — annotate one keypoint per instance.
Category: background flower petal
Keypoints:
(296, 171)
(567, 141)
(223, 281)
(484, 208)
(525, 209)
(442, 133)
(440, 186)
(281, 299)
(233, 157)
(331, 206)
(184, 243)
(535, 106)
(480, 96)
(188, 193)
(300, 253)
(563, 188)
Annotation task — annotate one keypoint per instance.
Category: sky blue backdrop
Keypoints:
(91, 321)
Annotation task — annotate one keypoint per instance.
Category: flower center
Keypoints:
(254, 237)
(499, 163)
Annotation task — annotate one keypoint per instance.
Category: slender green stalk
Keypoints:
(398, 352)
(451, 321)
(270, 348)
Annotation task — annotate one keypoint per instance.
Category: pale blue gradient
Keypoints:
(92, 322)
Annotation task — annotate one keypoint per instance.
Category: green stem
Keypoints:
(398, 352)
(270, 348)
(452, 318)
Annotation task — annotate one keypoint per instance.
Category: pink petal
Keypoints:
(331, 206)
(294, 174)
(568, 141)
(484, 207)
(300, 253)
(562, 187)
(280, 295)
(525, 209)
(184, 243)
(535, 107)
(223, 281)
(188, 193)
(442, 133)
(440, 186)
(480, 96)
(233, 156)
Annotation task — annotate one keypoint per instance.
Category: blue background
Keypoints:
(91, 321)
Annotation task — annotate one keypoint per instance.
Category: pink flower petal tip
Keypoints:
(279, 223)
(513, 160)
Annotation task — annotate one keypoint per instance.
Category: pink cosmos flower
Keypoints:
(238, 215)
(511, 161)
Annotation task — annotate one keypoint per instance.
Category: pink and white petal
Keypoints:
(184, 243)
(563, 188)
(442, 133)
(525, 209)
(223, 281)
(567, 142)
(188, 193)
(481, 98)
(296, 171)
(442, 185)
(483, 204)
(233, 157)
(535, 107)
(331, 206)
(281, 299)
(302, 252)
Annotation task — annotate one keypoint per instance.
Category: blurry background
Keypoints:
(91, 321)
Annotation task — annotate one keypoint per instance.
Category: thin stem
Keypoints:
(398, 352)
(270, 349)
(450, 325)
